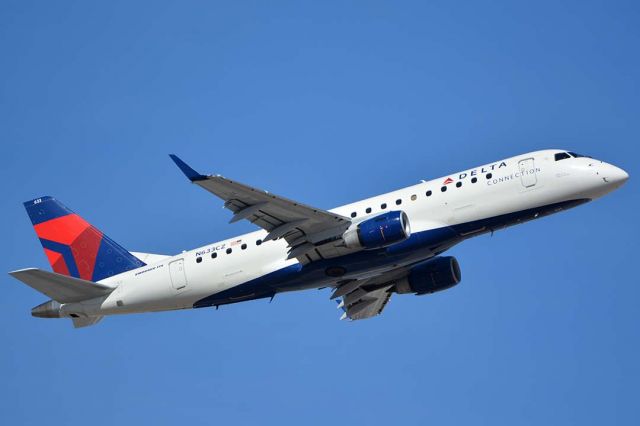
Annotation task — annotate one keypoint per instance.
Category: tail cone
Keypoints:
(50, 309)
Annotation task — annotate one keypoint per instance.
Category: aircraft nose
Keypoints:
(615, 175)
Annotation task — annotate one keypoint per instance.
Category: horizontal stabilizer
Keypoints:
(86, 321)
(61, 288)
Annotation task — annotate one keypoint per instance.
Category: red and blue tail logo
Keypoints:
(73, 246)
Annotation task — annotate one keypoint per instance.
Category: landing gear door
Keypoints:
(527, 171)
(178, 277)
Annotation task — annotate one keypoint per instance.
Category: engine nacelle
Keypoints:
(379, 231)
(437, 274)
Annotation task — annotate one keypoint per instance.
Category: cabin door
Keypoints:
(178, 277)
(527, 171)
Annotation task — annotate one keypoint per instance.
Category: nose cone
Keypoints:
(615, 176)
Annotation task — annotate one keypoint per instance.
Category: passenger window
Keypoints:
(229, 250)
(383, 206)
(489, 175)
(458, 184)
(214, 254)
(243, 247)
(474, 180)
(429, 193)
(562, 156)
(198, 259)
(443, 189)
(354, 214)
(258, 242)
(368, 210)
(398, 202)
(414, 197)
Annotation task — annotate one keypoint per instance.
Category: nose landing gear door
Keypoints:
(527, 171)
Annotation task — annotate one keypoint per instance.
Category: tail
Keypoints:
(62, 289)
(73, 246)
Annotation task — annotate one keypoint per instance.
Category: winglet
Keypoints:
(186, 169)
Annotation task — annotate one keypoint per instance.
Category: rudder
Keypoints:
(73, 246)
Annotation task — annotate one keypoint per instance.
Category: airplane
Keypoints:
(365, 251)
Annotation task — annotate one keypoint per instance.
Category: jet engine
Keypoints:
(379, 231)
(439, 273)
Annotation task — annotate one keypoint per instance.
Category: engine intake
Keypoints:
(379, 231)
(439, 273)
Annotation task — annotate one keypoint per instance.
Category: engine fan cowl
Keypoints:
(437, 274)
(379, 231)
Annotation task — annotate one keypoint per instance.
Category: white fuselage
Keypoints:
(475, 201)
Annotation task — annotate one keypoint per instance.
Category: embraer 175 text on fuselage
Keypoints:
(365, 251)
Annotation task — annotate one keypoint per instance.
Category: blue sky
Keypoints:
(326, 103)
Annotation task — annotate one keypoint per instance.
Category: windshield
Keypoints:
(573, 154)
(564, 155)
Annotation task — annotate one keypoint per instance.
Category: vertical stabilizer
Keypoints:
(73, 246)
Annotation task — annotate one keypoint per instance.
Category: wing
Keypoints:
(362, 299)
(311, 233)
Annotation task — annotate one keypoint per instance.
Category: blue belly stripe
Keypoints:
(418, 247)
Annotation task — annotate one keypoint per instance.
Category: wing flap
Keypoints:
(362, 299)
(369, 305)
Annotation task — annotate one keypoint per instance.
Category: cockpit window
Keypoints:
(573, 154)
(562, 156)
